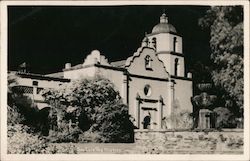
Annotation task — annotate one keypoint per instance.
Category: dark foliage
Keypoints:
(92, 105)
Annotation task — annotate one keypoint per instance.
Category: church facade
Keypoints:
(151, 82)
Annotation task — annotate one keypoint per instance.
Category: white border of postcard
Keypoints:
(62, 157)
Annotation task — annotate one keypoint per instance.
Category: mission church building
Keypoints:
(150, 81)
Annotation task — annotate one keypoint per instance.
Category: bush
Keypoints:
(14, 116)
(61, 149)
(89, 136)
(113, 123)
(93, 105)
(225, 118)
(66, 135)
(22, 141)
(21, 108)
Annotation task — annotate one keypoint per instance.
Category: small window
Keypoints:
(147, 90)
(174, 44)
(35, 83)
(148, 62)
(176, 63)
(154, 42)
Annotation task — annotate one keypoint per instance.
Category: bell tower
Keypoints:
(168, 46)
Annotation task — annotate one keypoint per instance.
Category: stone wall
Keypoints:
(181, 141)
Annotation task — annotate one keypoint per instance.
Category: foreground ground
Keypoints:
(135, 148)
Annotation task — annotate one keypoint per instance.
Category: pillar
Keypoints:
(204, 119)
(160, 104)
(125, 88)
(138, 111)
(170, 102)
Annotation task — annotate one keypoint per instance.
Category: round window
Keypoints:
(147, 90)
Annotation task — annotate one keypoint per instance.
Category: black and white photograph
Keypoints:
(157, 80)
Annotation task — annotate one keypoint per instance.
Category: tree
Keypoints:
(21, 108)
(13, 114)
(93, 105)
(226, 31)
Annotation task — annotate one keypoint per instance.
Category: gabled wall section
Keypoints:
(136, 64)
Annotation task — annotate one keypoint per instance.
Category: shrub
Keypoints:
(14, 116)
(61, 149)
(113, 123)
(93, 105)
(21, 140)
(225, 118)
(66, 135)
(21, 108)
(89, 136)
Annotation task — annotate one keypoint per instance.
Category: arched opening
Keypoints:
(154, 42)
(147, 90)
(148, 62)
(146, 121)
(176, 64)
(174, 44)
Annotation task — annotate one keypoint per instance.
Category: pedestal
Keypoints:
(204, 119)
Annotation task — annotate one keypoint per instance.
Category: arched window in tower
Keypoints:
(176, 63)
(148, 62)
(174, 44)
(154, 42)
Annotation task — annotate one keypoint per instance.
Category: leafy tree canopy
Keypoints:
(95, 105)
(226, 31)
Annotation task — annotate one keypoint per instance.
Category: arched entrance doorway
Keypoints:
(146, 121)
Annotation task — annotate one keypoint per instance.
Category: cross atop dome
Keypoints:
(163, 26)
(163, 18)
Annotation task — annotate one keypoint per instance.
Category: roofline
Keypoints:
(181, 78)
(125, 72)
(39, 76)
(151, 34)
(118, 60)
(96, 65)
(171, 52)
(148, 77)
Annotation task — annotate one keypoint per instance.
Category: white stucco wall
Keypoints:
(41, 83)
(115, 77)
(165, 41)
(181, 65)
(137, 66)
(159, 81)
(82, 72)
(169, 62)
(37, 97)
(183, 93)
(159, 88)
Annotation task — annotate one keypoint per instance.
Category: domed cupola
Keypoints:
(163, 26)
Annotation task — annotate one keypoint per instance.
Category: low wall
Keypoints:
(178, 141)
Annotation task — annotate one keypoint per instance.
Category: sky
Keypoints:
(48, 37)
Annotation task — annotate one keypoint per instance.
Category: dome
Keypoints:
(164, 26)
